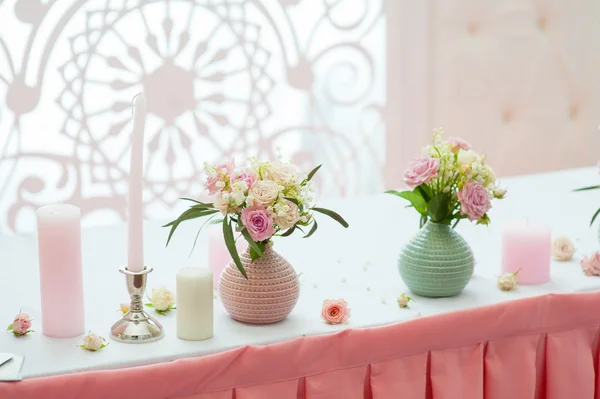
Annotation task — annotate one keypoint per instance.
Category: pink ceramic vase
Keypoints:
(267, 296)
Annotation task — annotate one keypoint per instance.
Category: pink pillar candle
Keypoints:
(61, 276)
(218, 255)
(526, 249)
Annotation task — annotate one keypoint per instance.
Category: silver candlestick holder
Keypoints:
(136, 326)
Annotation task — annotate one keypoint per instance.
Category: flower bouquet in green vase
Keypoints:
(448, 183)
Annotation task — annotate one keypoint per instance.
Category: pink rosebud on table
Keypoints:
(21, 324)
(335, 311)
(591, 265)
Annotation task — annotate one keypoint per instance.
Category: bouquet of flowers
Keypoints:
(259, 202)
(592, 188)
(450, 182)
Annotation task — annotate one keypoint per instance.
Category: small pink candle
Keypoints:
(61, 277)
(218, 255)
(526, 249)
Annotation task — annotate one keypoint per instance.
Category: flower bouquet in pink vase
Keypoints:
(596, 187)
(449, 182)
(255, 204)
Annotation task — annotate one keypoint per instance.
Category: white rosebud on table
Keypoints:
(562, 249)
(508, 281)
(403, 300)
(93, 342)
(162, 300)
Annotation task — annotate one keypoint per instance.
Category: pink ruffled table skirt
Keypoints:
(540, 347)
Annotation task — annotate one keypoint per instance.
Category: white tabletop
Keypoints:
(357, 264)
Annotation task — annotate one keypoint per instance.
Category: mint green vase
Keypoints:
(436, 262)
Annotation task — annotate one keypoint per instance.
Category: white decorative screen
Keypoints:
(224, 78)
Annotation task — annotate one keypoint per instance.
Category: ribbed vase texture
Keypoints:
(436, 262)
(267, 296)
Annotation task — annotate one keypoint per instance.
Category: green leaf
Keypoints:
(149, 305)
(230, 243)
(204, 204)
(425, 191)
(312, 173)
(253, 245)
(289, 231)
(293, 200)
(207, 221)
(335, 216)
(438, 208)
(587, 188)
(9, 327)
(313, 229)
(595, 216)
(256, 255)
(414, 197)
(422, 221)
(191, 213)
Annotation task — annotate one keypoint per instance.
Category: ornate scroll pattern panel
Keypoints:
(224, 79)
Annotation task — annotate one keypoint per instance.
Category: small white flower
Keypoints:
(93, 342)
(162, 299)
(220, 185)
(124, 307)
(499, 193)
(508, 281)
(403, 300)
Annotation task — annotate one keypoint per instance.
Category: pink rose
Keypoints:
(335, 311)
(458, 144)
(474, 200)
(421, 170)
(248, 176)
(258, 223)
(223, 171)
(21, 324)
(591, 265)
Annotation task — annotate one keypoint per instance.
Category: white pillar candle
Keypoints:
(194, 303)
(61, 275)
(135, 261)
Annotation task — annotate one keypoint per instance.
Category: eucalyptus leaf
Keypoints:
(253, 245)
(230, 244)
(312, 229)
(289, 231)
(587, 188)
(595, 216)
(312, 173)
(293, 200)
(205, 204)
(334, 215)
(191, 213)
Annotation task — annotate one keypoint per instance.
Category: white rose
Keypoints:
(508, 282)
(467, 157)
(280, 172)
(562, 249)
(499, 193)
(162, 299)
(92, 342)
(289, 218)
(264, 192)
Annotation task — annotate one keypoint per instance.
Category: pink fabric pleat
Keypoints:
(400, 378)
(284, 389)
(510, 368)
(570, 364)
(540, 348)
(347, 384)
(457, 373)
(212, 395)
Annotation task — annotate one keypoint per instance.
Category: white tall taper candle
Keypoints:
(135, 262)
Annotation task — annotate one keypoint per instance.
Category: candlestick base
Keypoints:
(136, 326)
